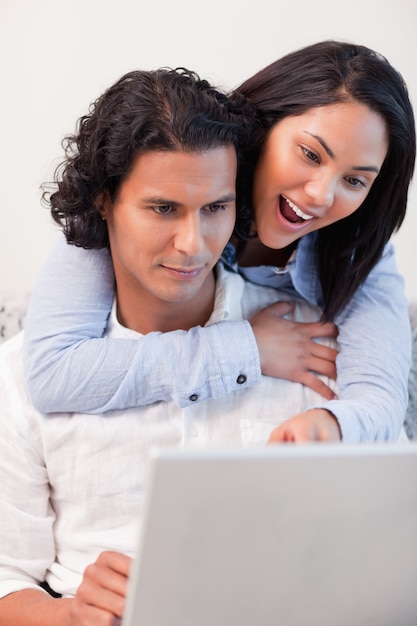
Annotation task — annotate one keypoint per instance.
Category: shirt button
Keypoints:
(193, 397)
(241, 379)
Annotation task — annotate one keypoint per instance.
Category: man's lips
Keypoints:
(292, 212)
(184, 272)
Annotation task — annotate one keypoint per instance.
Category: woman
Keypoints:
(323, 234)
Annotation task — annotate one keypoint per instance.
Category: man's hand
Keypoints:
(287, 349)
(313, 425)
(100, 599)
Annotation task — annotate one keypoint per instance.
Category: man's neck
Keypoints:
(147, 314)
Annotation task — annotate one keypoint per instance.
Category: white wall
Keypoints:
(58, 55)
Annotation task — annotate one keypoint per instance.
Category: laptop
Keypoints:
(287, 535)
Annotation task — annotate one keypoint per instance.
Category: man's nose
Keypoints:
(189, 238)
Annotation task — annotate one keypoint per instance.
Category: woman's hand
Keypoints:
(100, 599)
(313, 425)
(287, 349)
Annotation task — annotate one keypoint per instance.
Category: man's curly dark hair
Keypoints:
(143, 111)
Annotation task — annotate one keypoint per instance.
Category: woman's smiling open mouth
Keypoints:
(291, 212)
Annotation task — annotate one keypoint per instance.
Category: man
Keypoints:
(163, 194)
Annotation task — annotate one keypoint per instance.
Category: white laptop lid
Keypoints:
(284, 535)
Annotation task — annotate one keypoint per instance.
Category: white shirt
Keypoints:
(72, 484)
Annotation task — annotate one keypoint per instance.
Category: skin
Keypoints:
(101, 597)
(315, 169)
(291, 346)
(99, 601)
(324, 163)
(168, 227)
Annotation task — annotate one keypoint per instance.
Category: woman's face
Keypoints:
(315, 169)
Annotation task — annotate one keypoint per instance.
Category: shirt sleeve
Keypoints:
(26, 518)
(375, 357)
(69, 366)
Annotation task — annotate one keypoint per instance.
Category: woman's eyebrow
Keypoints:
(322, 143)
(359, 168)
(366, 168)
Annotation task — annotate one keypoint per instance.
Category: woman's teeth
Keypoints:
(298, 211)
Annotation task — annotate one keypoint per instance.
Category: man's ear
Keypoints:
(104, 204)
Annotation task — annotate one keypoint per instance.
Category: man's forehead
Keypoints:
(158, 173)
(186, 158)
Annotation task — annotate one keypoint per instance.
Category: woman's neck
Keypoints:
(255, 253)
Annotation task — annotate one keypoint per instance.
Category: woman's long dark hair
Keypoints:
(326, 73)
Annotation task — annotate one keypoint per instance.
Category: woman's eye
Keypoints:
(355, 182)
(311, 156)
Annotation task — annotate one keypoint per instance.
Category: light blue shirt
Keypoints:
(70, 367)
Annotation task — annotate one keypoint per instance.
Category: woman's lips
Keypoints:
(291, 212)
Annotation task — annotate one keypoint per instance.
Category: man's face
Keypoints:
(172, 218)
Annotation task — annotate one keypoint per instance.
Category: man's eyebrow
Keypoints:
(160, 200)
(358, 168)
(224, 199)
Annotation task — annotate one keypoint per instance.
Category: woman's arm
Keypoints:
(70, 367)
(374, 358)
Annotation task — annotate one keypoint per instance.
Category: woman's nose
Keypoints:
(321, 190)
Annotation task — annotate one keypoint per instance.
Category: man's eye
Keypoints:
(163, 209)
(215, 208)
